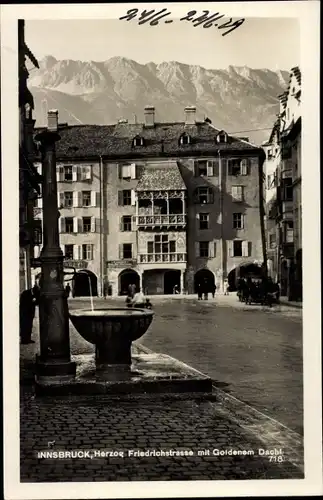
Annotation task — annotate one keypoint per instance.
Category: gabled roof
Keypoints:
(117, 140)
(164, 175)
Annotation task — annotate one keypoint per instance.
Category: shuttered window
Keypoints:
(239, 248)
(86, 198)
(85, 172)
(238, 221)
(69, 252)
(237, 193)
(87, 251)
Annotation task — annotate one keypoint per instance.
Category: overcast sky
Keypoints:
(271, 43)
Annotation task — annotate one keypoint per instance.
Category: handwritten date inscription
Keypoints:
(206, 19)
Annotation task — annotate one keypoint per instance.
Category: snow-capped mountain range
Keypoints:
(238, 99)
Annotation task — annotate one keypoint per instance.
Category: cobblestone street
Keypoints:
(253, 356)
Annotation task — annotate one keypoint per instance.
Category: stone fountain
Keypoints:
(112, 331)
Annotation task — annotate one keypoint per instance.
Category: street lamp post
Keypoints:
(54, 362)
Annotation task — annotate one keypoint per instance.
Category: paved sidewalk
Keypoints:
(217, 438)
(290, 303)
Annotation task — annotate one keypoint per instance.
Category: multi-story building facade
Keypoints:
(283, 218)
(159, 205)
(29, 180)
(271, 168)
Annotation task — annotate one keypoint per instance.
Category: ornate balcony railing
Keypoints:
(147, 258)
(161, 220)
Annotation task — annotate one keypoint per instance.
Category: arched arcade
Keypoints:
(128, 277)
(205, 279)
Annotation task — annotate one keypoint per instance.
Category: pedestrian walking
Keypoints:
(199, 291)
(29, 299)
(213, 290)
(67, 290)
(226, 287)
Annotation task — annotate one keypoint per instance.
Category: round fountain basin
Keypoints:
(104, 325)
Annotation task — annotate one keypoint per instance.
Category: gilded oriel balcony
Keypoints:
(161, 220)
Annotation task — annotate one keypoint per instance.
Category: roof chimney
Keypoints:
(149, 116)
(52, 120)
(190, 112)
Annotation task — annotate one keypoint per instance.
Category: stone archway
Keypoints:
(84, 284)
(205, 278)
(128, 277)
(172, 278)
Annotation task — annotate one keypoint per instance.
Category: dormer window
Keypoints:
(185, 139)
(138, 141)
(222, 137)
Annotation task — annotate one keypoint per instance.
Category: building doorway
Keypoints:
(172, 278)
(204, 278)
(83, 283)
(126, 278)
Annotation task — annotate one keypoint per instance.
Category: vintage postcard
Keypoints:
(161, 251)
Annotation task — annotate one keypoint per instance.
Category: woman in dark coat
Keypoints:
(29, 299)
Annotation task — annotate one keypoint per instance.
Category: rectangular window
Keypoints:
(86, 198)
(69, 225)
(204, 195)
(204, 221)
(86, 224)
(202, 167)
(289, 193)
(68, 199)
(236, 166)
(68, 173)
(237, 193)
(204, 248)
(69, 251)
(86, 172)
(127, 250)
(238, 221)
(237, 248)
(87, 252)
(126, 197)
(126, 223)
(161, 245)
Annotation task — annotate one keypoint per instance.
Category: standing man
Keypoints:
(68, 290)
(29, 299)
(206, 289)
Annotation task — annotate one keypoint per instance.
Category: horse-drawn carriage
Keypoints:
(257, 290)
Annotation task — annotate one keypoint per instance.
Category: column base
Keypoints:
(54, 372)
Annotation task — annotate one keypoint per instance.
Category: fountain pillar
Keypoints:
(53, 365)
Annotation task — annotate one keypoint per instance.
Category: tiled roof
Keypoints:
(161, 176)
(117, 140)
